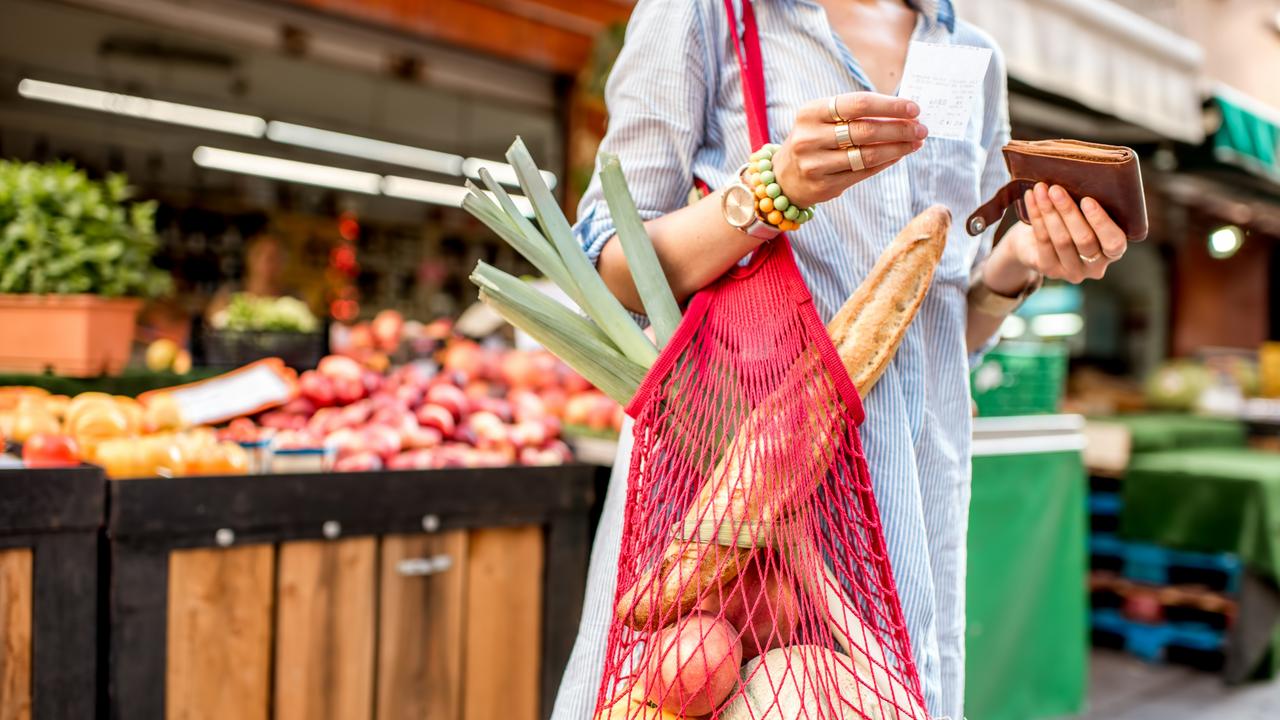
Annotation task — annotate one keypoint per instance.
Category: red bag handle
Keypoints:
(751, 66)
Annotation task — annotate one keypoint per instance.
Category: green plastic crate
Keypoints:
(1020, 379)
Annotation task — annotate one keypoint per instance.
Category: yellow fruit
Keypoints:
(33, 421)
(119, 458)
(57, 405)
(101, 420)
(132, 410)
(161, 354)
(632, 707)
(162, 456)
(11, 396)
(162, 413)
(182, 362)
(82, 401)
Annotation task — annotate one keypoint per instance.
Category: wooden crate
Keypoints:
(450, 594)
(50, 521)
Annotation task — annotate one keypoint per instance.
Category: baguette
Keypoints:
(738, 505)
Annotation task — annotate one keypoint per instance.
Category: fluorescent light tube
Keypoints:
(288, 170)
(438, 193)
(143, 108)
(500, 171)
(363, 147)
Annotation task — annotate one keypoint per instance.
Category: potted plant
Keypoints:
(75, 263)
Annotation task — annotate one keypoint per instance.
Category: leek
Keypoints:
(651, 282)
(597, 300)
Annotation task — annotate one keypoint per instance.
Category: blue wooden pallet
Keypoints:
(1192, 643)
(1156, 565)
(1105, 503)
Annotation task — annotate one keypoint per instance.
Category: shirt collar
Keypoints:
(937, 11)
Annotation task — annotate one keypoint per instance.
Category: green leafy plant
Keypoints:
(62, 233)
(247, 313)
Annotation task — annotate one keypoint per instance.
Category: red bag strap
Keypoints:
(751, 67)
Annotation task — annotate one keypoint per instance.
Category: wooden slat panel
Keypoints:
(504, 624)
(15, 634)
(219, 633)
(325, 624)
(477, 27)
(420, 634)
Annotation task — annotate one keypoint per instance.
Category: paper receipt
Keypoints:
(946, 82)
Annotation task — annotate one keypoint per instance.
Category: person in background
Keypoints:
(264, 262)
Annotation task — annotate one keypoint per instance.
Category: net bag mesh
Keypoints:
(753, 581)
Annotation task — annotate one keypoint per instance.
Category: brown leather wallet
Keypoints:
(1106, 173)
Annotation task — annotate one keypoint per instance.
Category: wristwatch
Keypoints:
(739, 206)
(989, 302)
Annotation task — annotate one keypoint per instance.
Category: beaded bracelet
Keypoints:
(771, 205)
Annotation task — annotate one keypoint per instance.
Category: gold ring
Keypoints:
(843, 140)
(855, 159)
(834, 111)
(1091, 259)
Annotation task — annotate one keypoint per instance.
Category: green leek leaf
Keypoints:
(651, 282)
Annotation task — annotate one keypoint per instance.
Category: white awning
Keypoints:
(1101, 55)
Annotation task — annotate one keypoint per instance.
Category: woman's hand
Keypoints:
(811, 167)
(1065, 241)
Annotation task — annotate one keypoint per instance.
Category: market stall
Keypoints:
(1027, 632)
(446, 593)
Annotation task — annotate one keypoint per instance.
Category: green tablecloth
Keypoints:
(1210, 500)
(1169, 431)
(1028, 635)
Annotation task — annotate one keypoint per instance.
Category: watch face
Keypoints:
(739, 205)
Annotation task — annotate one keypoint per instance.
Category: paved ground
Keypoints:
(1123, 688)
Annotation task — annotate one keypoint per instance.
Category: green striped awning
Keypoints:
(1249, 135)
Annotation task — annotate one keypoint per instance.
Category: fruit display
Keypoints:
(165, 355)
(479, 406)
(126, 437)
(466, 404)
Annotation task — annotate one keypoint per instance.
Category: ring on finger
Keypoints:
(834, 111)
(856, 163)
(1091, 259)
(843, 140)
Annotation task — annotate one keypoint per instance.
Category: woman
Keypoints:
(676, 114)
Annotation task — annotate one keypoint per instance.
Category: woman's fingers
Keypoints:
(852, 106)
(1110, 236)
(1082, 235)
(1046, 257)
(1059, 235)
(838, 162)
(872, 131)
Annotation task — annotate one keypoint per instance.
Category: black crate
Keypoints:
(57, 514)
(229, 349)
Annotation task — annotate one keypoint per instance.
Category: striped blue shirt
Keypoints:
(675, 109)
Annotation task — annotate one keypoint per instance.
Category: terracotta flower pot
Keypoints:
(73, 335)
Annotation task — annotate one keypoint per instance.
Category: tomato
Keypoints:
(44, 450)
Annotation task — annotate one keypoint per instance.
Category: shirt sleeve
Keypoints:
(995, 135)
(657, 95)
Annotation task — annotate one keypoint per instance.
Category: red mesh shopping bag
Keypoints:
(753, 581)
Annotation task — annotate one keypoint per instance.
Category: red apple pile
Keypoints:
(482, 407)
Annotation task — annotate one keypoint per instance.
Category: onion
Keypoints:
(693, 665)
